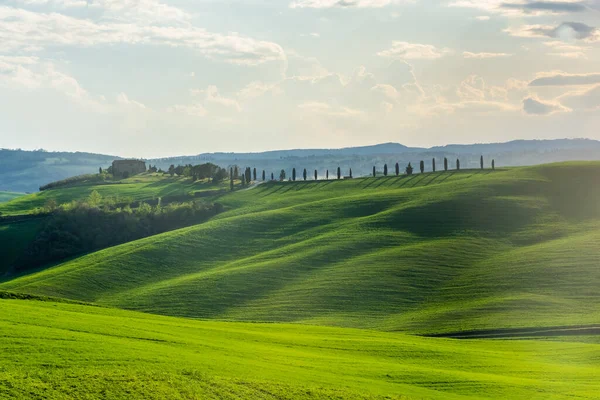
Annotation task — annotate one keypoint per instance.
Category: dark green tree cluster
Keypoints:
(93, 224)
(199, 172)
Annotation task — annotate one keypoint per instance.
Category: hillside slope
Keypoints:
(8, 196)
(143, 187)
(441, 252)
(57, 351)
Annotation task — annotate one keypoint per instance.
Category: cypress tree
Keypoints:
(272, 176)
(350, 173)
(315, 174)
(409, 169)
(339, 173)
(248, 175)
(457, 164)
(397, 169)
(254, 173)
(374, 172)
(264, 176)
(385, 170)
(243, 179)
(231, 179)
(433, 163)
(445, 164)
(422, 166)
(493, 165)
(304, 174)
(481, 162)
(294, 174)
(236, 172)
(327, 174)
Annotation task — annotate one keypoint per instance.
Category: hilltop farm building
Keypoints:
(127, 168)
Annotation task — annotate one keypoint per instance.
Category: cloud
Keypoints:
(523, 8)
(342, 3)
(534, 106)
(587, 100)
(32, 74)
(325, 109)
(25, 31)
(194, 110)
(468, 54)
(212, 97)
(564, 79)
(145, 11)
(413, 51)
(483, 18)
(124, 100)
(567, 31)
(555, 7)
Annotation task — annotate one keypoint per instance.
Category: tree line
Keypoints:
(93, 224)
(250, 174)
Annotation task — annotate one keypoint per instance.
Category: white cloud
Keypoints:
(565, 79)
(520, 8)
(146, 11)
(194, 110)
(325, 109)
(585, 100)
(20, 30)
(567, 32)
(33, 74)
(483, 18)
(213, 97)
(468, 54)
(342, 3)
(413, 51)
(123, 99)
(535, 106)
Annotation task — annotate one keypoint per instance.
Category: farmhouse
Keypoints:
(127, 168)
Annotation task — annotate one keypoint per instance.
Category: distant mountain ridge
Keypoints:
(25, 171)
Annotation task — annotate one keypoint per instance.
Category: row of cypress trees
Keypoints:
(409, 168)
(250, 174)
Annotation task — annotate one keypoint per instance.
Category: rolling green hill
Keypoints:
(142, 187)
(432, 253)
(57, 351)
(8, 196)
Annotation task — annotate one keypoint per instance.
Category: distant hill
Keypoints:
(8, 196)
(25, 171)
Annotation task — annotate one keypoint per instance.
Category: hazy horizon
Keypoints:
(191, 154)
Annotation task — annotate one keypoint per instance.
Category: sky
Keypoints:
(152, 78)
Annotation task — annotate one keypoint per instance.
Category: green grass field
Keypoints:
(138, 188)
(316, 290)
(8, 196)
(56, 351)
(430, 253)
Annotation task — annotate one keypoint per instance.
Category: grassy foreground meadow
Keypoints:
(327, 289)
(56, 351)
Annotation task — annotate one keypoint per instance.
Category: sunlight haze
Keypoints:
(151, 78)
